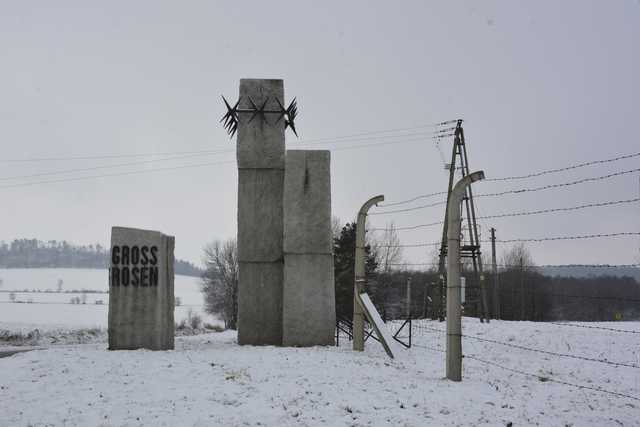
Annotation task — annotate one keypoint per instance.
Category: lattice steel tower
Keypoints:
(476, 303)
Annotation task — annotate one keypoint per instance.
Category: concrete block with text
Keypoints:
(141, 295)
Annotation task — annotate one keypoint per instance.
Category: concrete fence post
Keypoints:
(454, 318)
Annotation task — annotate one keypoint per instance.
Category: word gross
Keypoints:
(134, 266)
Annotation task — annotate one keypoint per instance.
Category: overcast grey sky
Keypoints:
(540, 85)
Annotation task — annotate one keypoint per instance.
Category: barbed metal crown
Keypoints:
(230, 118)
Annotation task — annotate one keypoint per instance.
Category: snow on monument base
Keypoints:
(141, 297)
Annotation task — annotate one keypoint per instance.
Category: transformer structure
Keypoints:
(476, 302)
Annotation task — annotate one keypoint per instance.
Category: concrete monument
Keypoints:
(141, 297)
(309, 314)
(285, 289)
(260, 154)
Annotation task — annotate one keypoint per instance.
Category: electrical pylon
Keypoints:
(470, 243)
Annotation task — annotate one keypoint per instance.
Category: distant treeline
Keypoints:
(522, 295)
(33, 253)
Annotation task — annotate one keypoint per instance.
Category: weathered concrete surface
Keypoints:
(309, 311)
(307, 202)
(260, 144)
(260, 215)
(260, 154)
(309, 294)
(260, 303)
(141, 295)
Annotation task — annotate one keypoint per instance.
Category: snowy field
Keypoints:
(210, 380)
(44, 309)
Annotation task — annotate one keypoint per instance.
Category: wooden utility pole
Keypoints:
(496, 282)
(521, 289)
(360, 274)
(425, 302)
(409, 298)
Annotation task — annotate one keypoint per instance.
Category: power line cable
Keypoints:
(302, 142)
(116, 174)
(108, 156)
(105, 167)
(359, 146)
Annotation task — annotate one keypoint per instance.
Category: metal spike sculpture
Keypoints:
(230, 118)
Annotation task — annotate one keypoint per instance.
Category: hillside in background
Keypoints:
(586, 271)
(33, 253)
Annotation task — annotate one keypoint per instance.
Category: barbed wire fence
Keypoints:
(430, 336)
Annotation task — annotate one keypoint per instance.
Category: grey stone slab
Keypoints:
(260, 215)
(260, 141)
(309, 312)
(260, 303)
(141, 290)
(307, 202)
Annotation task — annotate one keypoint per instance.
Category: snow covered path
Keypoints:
(210, 380)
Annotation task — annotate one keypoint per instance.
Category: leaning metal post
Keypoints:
(360, 277)
(454, 320)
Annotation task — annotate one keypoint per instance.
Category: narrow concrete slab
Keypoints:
(260, 154)
(309, 314)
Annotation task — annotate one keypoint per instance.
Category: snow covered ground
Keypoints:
(43, 308)
(210, 380)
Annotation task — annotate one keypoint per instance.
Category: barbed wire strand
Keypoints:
(538, 239)
(543, 378)
(564, 184)
(566, 168)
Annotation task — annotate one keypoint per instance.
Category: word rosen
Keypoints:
(134, 266)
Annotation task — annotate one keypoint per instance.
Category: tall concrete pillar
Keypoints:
(260, 154)
(141, 298)
(309, 313)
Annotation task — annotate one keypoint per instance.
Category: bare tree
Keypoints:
(336, 227)
(517, 282)
(517, 258)
(220, 281)
(386, 248)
